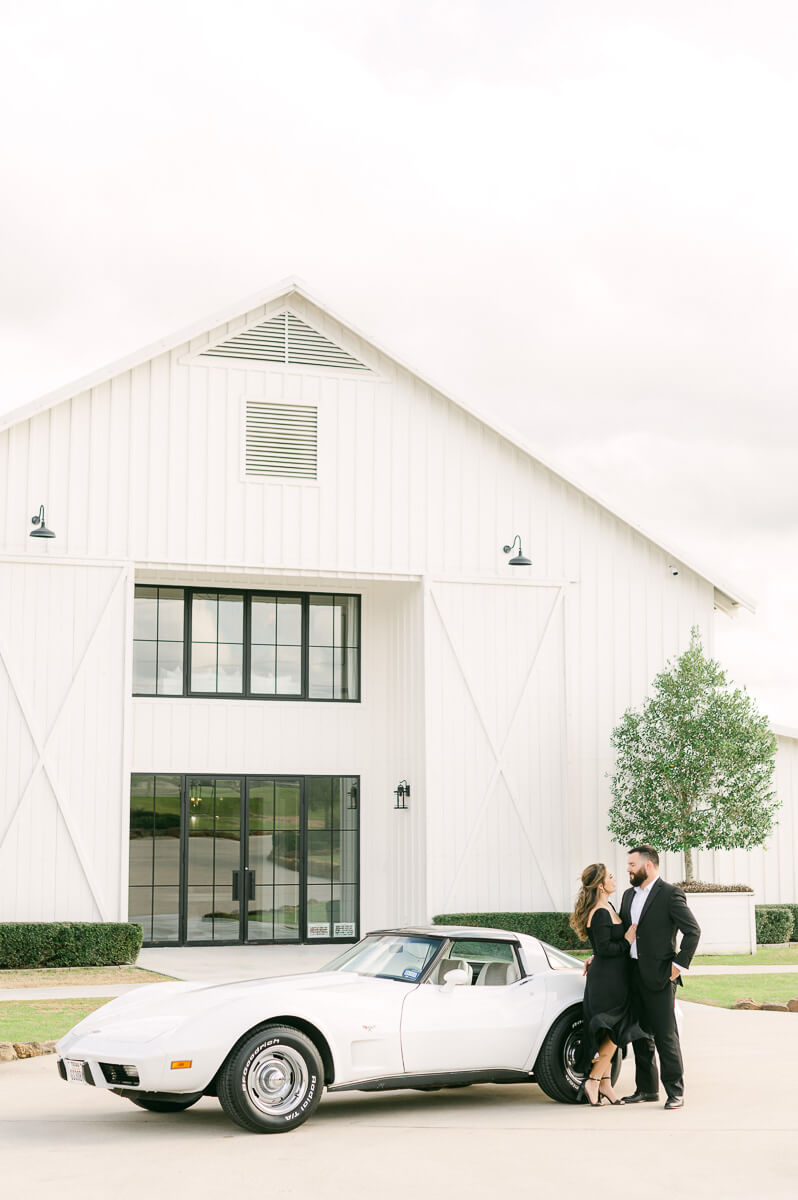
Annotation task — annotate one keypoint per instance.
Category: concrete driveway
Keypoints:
(736, 1137)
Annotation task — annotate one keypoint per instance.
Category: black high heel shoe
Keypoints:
(603, 1095)
(582, 1092)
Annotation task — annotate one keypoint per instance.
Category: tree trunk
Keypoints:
(688, 865)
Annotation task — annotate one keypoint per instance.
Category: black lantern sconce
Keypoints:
(42, 530)
(402, 792)
(520, 559)
(352, 796)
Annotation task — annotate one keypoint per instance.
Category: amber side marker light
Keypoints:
(181, 1065)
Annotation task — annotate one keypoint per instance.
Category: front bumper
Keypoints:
(111, 1063)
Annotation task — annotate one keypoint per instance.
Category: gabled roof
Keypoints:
(726, 598)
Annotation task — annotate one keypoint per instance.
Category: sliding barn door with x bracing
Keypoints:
(496, 745)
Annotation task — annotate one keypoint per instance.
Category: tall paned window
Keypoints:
(333, 640)
(276, 646)
(158, 619)
(217, 642)
(154, 885)
(332, 857)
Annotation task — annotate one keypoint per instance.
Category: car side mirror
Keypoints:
(455, 978)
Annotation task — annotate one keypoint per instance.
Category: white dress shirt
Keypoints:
(638, 904)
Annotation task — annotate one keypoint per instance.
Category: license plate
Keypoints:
(74, 1070)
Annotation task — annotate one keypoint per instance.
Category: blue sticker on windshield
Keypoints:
(410, 973)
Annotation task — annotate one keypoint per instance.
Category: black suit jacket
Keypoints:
(665, 913)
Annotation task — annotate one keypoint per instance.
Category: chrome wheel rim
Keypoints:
(277, 1080)
(571, 1051)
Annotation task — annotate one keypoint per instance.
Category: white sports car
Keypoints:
(423, 1007)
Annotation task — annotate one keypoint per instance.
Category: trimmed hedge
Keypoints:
(551, 927)
(695, 885)
(794, 910)
(27, 944)
(774, 923)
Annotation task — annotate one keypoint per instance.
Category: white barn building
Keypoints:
(278, 591)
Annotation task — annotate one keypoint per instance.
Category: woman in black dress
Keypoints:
(608, 1021)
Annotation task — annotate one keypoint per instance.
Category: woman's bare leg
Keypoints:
(603, 1066)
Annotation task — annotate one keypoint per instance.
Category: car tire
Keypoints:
(272, 1080)
(556, 1071)
(179, 1104)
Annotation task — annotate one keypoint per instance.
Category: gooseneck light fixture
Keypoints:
(41, 529)
(520, 559)
(401, 791)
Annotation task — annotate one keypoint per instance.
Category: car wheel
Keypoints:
(272, 1080)
(556, 1069)
(179, 1104)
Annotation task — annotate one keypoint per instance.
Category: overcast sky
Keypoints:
(580, 218)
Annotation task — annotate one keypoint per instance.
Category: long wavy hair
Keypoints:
(592, 877)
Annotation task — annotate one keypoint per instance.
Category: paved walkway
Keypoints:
(732, 1139)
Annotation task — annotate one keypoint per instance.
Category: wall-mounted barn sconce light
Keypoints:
(520, 559)
(401, 791)
(42, 530)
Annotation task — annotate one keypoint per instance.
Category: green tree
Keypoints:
(694, 766)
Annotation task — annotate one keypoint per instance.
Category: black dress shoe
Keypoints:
(639, 1097)
(674, 1102)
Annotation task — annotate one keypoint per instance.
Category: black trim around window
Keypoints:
(247, 693)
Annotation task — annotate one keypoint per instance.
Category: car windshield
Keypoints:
(389, 956)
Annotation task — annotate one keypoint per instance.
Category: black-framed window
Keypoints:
(217, 643)
(236, 644)
(158, 641)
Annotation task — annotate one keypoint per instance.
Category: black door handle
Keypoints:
(236, 888)
(250, 884)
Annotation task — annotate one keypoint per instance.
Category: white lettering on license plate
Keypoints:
(74, 1070)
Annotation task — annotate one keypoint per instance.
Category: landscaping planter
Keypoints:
(727, 921)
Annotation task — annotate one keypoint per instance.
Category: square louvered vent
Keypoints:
(285, 339)
(281, 439)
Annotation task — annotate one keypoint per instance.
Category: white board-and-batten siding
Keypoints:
(413, 503)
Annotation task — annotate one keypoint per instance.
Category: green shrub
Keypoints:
(794, 910)
(27, 944)
(774, 923)
(695, 885)
(551, 927)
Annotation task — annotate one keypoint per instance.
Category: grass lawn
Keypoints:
(766, 956)
(78, 977)
(43, 1020)
(723, 990)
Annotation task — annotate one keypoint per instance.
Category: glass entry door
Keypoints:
(243, 859)
(224, 859)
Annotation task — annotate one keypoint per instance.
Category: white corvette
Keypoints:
(423, 1007)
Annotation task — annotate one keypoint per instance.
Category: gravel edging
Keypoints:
(11, 1051)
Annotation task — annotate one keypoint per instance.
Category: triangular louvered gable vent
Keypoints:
(281, 439)
(285, 339)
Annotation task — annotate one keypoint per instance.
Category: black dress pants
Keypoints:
(656, 1013)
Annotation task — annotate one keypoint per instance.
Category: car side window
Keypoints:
(493, 964)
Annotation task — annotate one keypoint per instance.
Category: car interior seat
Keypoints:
(497, 974)
(454, 964)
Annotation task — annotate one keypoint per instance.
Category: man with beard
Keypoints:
(656, 910)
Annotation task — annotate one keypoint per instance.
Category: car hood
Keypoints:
(154, 1008)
